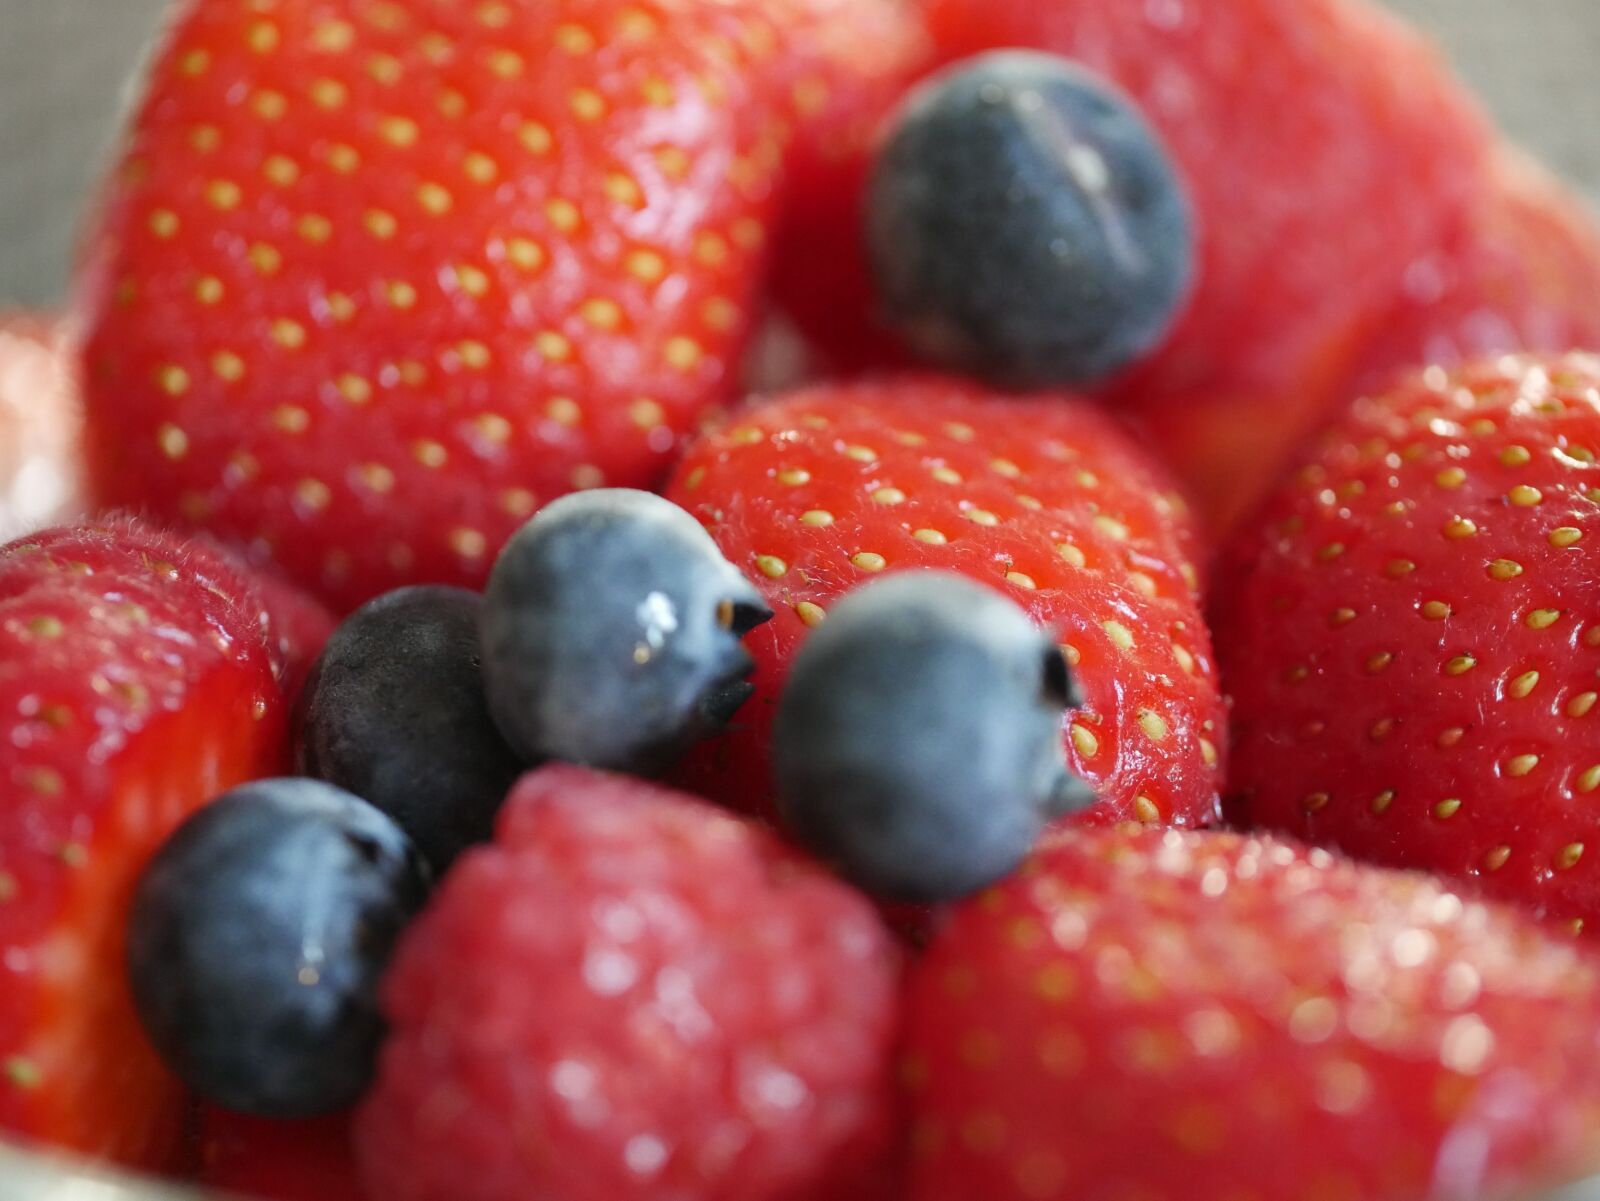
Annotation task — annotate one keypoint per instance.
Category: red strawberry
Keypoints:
(1043, 498)
(1308, 210)
(376, 280)
(854, 59)
(1411, 635)
(632, 994)
(278, 1161)
(1522, 274)
(38, 425)
(1227, 447)
(297, 625)
(1210, 1016)
(139, 676)
(842, 65)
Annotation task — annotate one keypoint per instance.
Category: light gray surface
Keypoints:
(1537, 64)
(28, 1177)
(64, 66)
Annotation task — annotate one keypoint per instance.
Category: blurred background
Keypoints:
(65, 67)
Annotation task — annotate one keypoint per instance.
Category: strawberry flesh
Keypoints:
(850, 62)
(1521, 274)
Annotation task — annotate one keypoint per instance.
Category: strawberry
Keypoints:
(1522, 274)
(1227, 447)
(38, 425)
(843, 64)
(1411, 638)
(1294, 264)
(854, 60)
(278, 1161)
(1208, 1016)
(297, 625)
(422, 265)
(139, 676)
(1042, 498)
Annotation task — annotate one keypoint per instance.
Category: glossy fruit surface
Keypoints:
(611, 633)
(1410, 637)
(1522, 273)
(422, 266)
(1043, 498)
(1203, 1015)
(918, 741)
(1519, 271)
(140, 675)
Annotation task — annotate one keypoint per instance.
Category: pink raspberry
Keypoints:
(633, 994)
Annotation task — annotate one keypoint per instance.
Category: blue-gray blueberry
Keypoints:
(257, 939)
(395, 713)
(612, 630)
(918, 744)
(1026, 224)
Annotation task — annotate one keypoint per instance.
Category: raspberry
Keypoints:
(632, 994)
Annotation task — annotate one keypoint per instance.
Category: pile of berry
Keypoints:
(474, 751)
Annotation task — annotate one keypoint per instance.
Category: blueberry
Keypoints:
(918, 741)
(395, 713)
(1026, 224)
(611, 631)
(256, 941)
